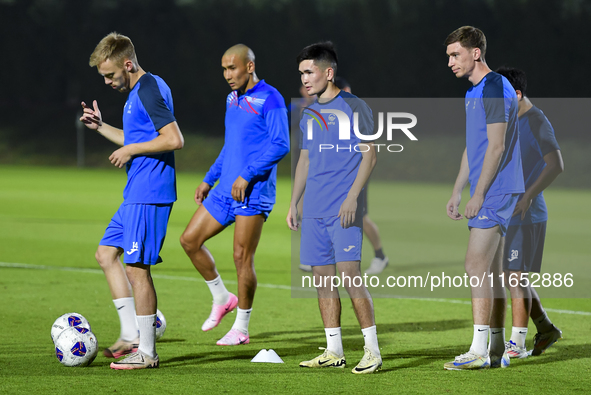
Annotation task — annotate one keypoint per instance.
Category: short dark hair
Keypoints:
(516, 77)
(341, 83)
(322, 53)
(468, 37)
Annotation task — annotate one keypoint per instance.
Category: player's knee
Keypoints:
(190, 243)
(103, 257)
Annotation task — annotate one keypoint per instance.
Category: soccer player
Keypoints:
(542, 163)
(137, 231)
(492, 164)
(257, 137)
(332, 232)
(371, 230)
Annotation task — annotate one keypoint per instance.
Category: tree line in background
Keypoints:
(387, 48)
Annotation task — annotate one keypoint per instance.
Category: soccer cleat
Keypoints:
(515, 351)
(542, 341)
(305, 268)
(234, 338)
(468, 361)
(327, 359)
(368, 364)
(218, 312)
(136, 360)
(377, 265)
(121, 348)
(500, 362)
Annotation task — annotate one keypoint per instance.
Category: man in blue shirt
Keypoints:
(492, 164)
(256, 139)
(333, 167)
(137, 231)
(542, 163)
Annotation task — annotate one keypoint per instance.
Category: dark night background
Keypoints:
(387, 48)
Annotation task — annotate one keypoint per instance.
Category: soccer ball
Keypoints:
(66, 321)
(160, 324)
(76, 346)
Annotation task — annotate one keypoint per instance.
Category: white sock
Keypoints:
(518, 336)
(334, 341)
(242, 320)
(147, 325)
(370, 335)
(126, 310)
(497, 341)
(218, 290)
(543, 323)
(479, 340)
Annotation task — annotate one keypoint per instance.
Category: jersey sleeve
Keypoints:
(496, 104)
(152, 100)
(545, 133)
(275, 114)
(215, 171)
(366, 124)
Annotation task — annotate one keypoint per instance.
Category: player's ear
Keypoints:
(476, 54)
(128, 65)
(330, 73)
(250, 67)
(519, 94)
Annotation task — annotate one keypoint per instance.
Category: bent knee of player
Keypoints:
(106, 256)
(190, 242)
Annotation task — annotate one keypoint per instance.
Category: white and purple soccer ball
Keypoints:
(76, 346)
(66, 321)
(160, 324)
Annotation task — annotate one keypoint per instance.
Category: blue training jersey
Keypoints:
(151, 178)
(334, 158)
(537, 139)
(493, 100)
(256, 139)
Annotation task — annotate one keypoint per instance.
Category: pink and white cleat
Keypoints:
(218, 312)
(234, 338)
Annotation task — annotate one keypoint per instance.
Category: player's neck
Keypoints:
(329, 93)
(135, 76)
(524, 106)
(481, 69)
(252, 81)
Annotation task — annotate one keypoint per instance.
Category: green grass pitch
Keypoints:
(53, 218)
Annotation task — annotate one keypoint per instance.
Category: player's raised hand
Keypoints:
(521, 207)
(347, 212)
(239, 189)
(292, 218)
(120, 157)
(473, 206)
(453, 208)
(91, 117)
(201, 192)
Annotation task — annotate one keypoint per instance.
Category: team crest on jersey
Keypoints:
(251, 104)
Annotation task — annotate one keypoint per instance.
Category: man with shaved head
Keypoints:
(256, 139)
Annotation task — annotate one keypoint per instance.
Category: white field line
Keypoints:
(272, 286)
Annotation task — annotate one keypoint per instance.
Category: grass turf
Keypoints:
(54, 217)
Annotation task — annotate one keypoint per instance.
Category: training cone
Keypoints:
(267, 356)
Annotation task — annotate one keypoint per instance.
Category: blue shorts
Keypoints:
(496, 210)
(138, 229)
(524, 247)
(225, 209)
(325, 242)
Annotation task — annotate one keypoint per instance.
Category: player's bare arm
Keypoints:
(170, 138)
(554, 166)
(299, 185)
(93, 120)
(453, 205)
(349, 206)
(495, 133)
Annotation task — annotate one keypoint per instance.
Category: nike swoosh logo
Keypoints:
(119, 308)
(522, 333)
(463, 363)
(323, 362)
(242, 341)
(481, 330)
(365, 368)
(332, 335)
(495, 333)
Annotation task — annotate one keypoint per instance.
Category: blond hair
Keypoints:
(116, 47)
